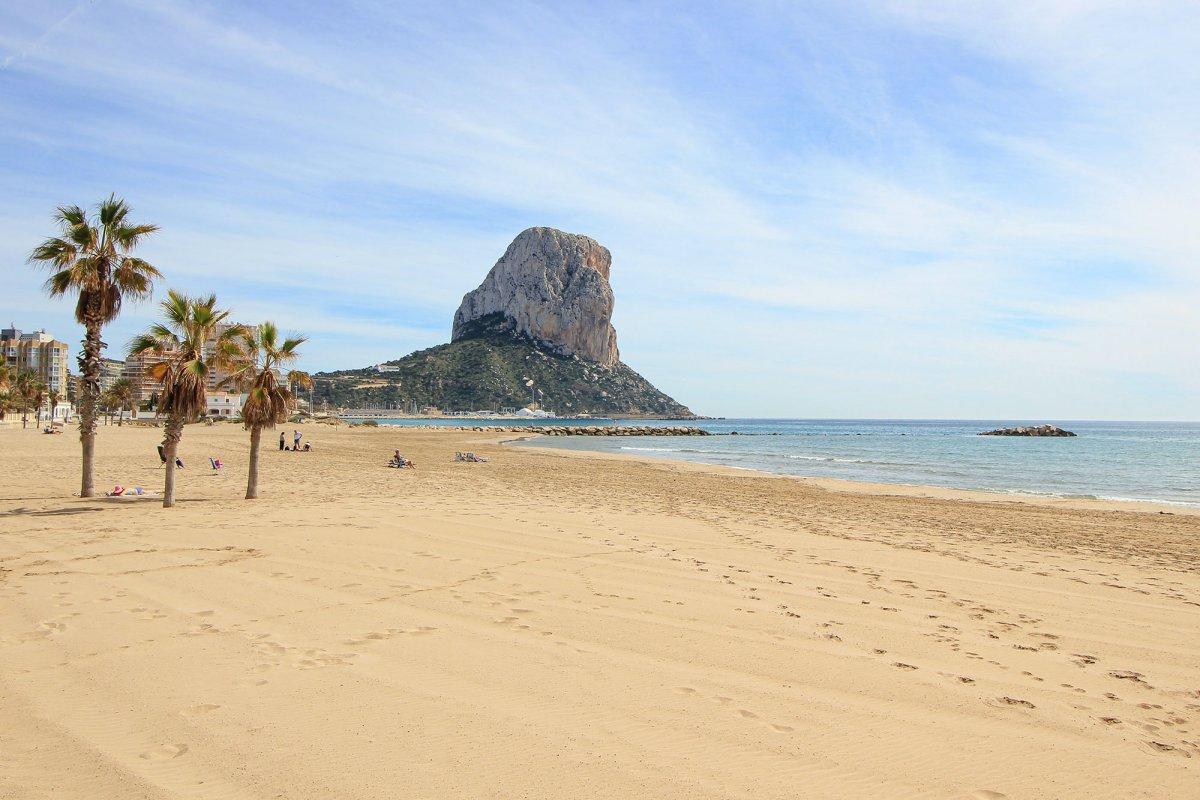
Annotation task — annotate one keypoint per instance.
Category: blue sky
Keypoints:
(877, 209)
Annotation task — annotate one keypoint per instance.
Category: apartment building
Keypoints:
(38, 352)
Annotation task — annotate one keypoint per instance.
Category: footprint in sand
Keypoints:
(203, 708)
(164, 752)
(1013, 701)
(783, 728)
(988, 794)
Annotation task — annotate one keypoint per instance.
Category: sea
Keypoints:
(1157, 461)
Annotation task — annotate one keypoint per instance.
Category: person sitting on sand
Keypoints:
(308, 447)
(400, 462)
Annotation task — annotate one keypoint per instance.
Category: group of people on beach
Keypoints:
(295, 448)
(400, 462)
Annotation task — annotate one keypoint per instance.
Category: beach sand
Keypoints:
(567, 626)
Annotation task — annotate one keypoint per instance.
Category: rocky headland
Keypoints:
(553, 287)
(537, 331)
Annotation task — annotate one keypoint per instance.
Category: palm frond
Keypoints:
(112, 211)
(59, 283)
(54, 252)
(127, 237)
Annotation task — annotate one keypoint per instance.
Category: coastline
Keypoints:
(923, 491)
(575, 625)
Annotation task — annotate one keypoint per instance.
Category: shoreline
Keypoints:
(912, 490)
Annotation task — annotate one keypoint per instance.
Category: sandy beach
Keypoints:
(554, 625)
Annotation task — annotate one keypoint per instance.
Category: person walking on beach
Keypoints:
(282, 441)
(296, 441)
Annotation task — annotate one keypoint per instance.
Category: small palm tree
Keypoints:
(121, 397)
(37, 398)
(5, 393)
(24, 387)
(53, 397)
(301, 381)
(91, 258)
(181, 368)
(106, 403)
(267, 402)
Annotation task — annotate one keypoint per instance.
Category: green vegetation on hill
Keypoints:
(491, 369)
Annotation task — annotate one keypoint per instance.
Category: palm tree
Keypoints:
(53, 397)
(91, 258)
(37, 397)
(181, 367)
(267, 402)
(23, 390)
(121, 394)
(5, 394)
(106, 403)
(298, 381)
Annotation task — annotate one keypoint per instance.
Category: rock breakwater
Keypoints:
(1036, 430)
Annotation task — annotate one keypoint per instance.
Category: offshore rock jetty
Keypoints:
(1037, 430)
(596, 430)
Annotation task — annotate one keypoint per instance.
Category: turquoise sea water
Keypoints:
(1107, 460)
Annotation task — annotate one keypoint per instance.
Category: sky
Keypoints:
(985, 210)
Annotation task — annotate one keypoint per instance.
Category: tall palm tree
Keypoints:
(53, 397)
(91, 258)
(267, 401)
(181, 367)
(121, 393)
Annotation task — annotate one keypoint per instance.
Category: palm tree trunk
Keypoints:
(170, 448)
(89, 390)
(252, 477)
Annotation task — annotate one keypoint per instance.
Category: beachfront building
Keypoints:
(39, 353)
(217, 377)
(136, 370)
(111, 371)
(225, 405)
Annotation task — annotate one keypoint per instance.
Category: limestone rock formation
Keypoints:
(553, 287)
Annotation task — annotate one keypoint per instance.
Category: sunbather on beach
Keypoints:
(400, 462)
